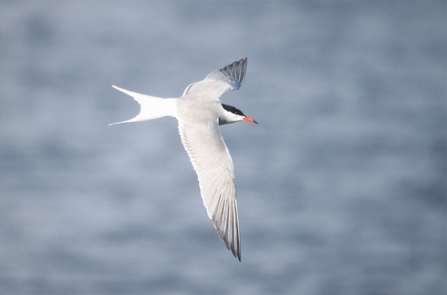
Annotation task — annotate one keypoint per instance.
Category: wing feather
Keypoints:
(212, 162)
(220, 82)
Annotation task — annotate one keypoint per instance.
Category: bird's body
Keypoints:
(199, 114)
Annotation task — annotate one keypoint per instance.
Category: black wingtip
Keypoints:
(236, 253)
(236, 71)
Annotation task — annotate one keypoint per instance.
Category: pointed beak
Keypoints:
(248, 119)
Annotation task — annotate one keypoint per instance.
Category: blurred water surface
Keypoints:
(341, 187)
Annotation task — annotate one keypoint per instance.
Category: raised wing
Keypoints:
(212, 162)
(220, 82)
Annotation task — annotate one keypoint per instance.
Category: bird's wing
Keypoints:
(212, 162)
(220, 82)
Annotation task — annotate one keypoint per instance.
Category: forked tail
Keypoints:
(151, 107)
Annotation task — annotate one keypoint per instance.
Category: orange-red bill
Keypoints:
(248, 119)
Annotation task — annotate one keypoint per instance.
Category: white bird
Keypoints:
(199, 113)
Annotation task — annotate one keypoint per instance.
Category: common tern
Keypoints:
(199, 113)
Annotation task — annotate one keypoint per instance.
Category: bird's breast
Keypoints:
(196, 110)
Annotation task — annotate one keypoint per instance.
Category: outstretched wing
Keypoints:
(220, 82)
(212, 162)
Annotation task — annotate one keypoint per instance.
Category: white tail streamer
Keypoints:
(151, 107)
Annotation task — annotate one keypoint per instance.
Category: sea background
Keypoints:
(341, 186)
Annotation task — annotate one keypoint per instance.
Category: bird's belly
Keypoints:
(190, 110)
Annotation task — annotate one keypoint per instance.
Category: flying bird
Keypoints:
(199, 112)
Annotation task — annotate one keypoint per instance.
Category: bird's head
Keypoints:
(232, 114)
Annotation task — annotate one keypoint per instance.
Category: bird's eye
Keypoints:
(233, 110)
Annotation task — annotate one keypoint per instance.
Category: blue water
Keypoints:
(341, 187)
